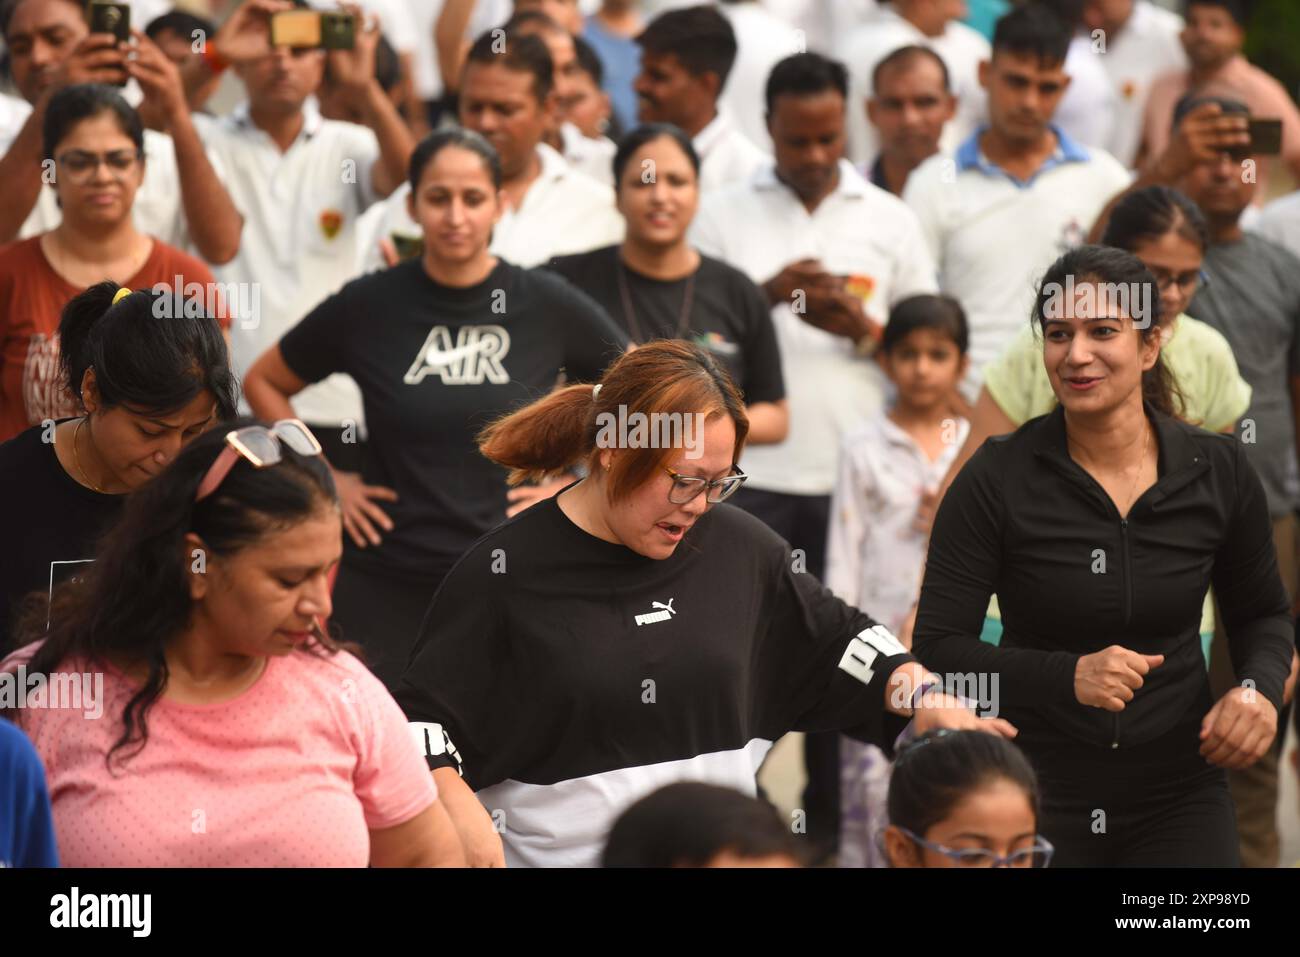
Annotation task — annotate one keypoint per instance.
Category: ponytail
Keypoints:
(571, 425)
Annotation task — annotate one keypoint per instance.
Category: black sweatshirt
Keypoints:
(568, 676)
(1026, 522)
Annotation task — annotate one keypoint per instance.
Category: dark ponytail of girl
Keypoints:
(149, 351)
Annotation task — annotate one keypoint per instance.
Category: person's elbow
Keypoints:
(220, 246)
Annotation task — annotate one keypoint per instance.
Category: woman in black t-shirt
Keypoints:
(439, 346)
(147, 385)
(656, 286)
(625, 634)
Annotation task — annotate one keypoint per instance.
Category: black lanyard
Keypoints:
(629, 314)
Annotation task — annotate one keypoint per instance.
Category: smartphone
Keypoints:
(407, 247)
(312, 29)
(105, 17)
(1265, 137)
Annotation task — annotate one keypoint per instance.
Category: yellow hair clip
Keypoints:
(120, 295)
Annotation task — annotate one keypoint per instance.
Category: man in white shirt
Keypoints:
(181, 200)
(552, 209)
(833, 254)
(594, 157)
(302, 182)
(930, 23)
(1017, 194)
(762, 40)
(909, 108)
(686, 57)
(1141, 44)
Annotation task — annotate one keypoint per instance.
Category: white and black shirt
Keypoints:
(568, 676)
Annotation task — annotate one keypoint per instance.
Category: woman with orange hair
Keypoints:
(627, 634)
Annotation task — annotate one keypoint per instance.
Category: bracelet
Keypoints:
(927, 684)
(212, 58)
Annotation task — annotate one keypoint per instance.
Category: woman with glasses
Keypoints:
(627, 634)
(439, 346)
(1100, 526)
(94, 158)
(142, 387)
(226, 729)
(960, 799)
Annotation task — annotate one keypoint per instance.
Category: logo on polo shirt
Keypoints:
(651, 617)
(331, 221)
(475, 356)
(717, 343)
(860, 286)
(1128, 89)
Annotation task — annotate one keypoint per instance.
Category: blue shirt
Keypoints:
(26, 825)
(621, 59)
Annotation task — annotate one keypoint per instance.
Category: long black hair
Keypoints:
(135, 599)
(1152, 212)
(81, 101)
(151, 350)
(1106, 264)
(938, 770)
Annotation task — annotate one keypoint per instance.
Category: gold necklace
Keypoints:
(76, 458)
(1142, 461)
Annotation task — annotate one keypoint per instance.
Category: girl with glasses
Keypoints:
(94, 147)
(229, 729)
(143, 387)
(439, 345)
(635, 630)
(960, 799)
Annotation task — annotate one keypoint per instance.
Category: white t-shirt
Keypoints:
(762, 40)
(1087, 110)
(726, 154)
(760, 227)
(592, 156)
(994, 237)
(1280, 222)
(1146, 47)
(298, 246)
(961, 48)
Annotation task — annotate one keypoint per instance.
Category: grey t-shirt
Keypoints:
(1253, 298)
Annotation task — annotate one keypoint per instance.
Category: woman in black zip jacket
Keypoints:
(1100, 526)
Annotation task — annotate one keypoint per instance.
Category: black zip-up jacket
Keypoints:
(1025, 521)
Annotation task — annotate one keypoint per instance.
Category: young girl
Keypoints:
(963, 799)
(875, 556)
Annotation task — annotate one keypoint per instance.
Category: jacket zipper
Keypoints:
(1128, 604)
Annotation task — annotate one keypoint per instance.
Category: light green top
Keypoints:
(1198, 356)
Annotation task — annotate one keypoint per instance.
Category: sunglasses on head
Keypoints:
(259, 446)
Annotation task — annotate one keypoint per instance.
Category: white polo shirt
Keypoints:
(593, 156)
(1086, 112)
(1146, 47)
(563, 212)
(1278, 221)
(961, 48)
(994, 236)
(760, 227)
(298, 246)
(726, 154)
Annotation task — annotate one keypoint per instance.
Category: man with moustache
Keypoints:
(910, 107)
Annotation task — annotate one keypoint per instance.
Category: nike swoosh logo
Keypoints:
(435, 357)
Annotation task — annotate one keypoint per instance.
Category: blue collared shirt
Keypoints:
(969, 156)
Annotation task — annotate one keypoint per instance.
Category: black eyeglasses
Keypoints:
(686, 488)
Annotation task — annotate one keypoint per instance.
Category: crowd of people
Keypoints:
(477, 443)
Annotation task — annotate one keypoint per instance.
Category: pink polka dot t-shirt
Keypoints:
(293, 771)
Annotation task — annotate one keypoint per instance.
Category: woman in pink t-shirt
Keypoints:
(196, 714)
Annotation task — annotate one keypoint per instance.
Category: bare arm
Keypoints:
(449, 40)
(214, 222)
(478, 833)
(20, 174)
(270, 384)
(768, 422)
(987, 418)
(426, 840)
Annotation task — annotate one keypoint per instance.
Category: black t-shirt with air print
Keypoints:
(435, 364)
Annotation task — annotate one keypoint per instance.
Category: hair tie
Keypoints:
(120, 295)
(596, 391)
